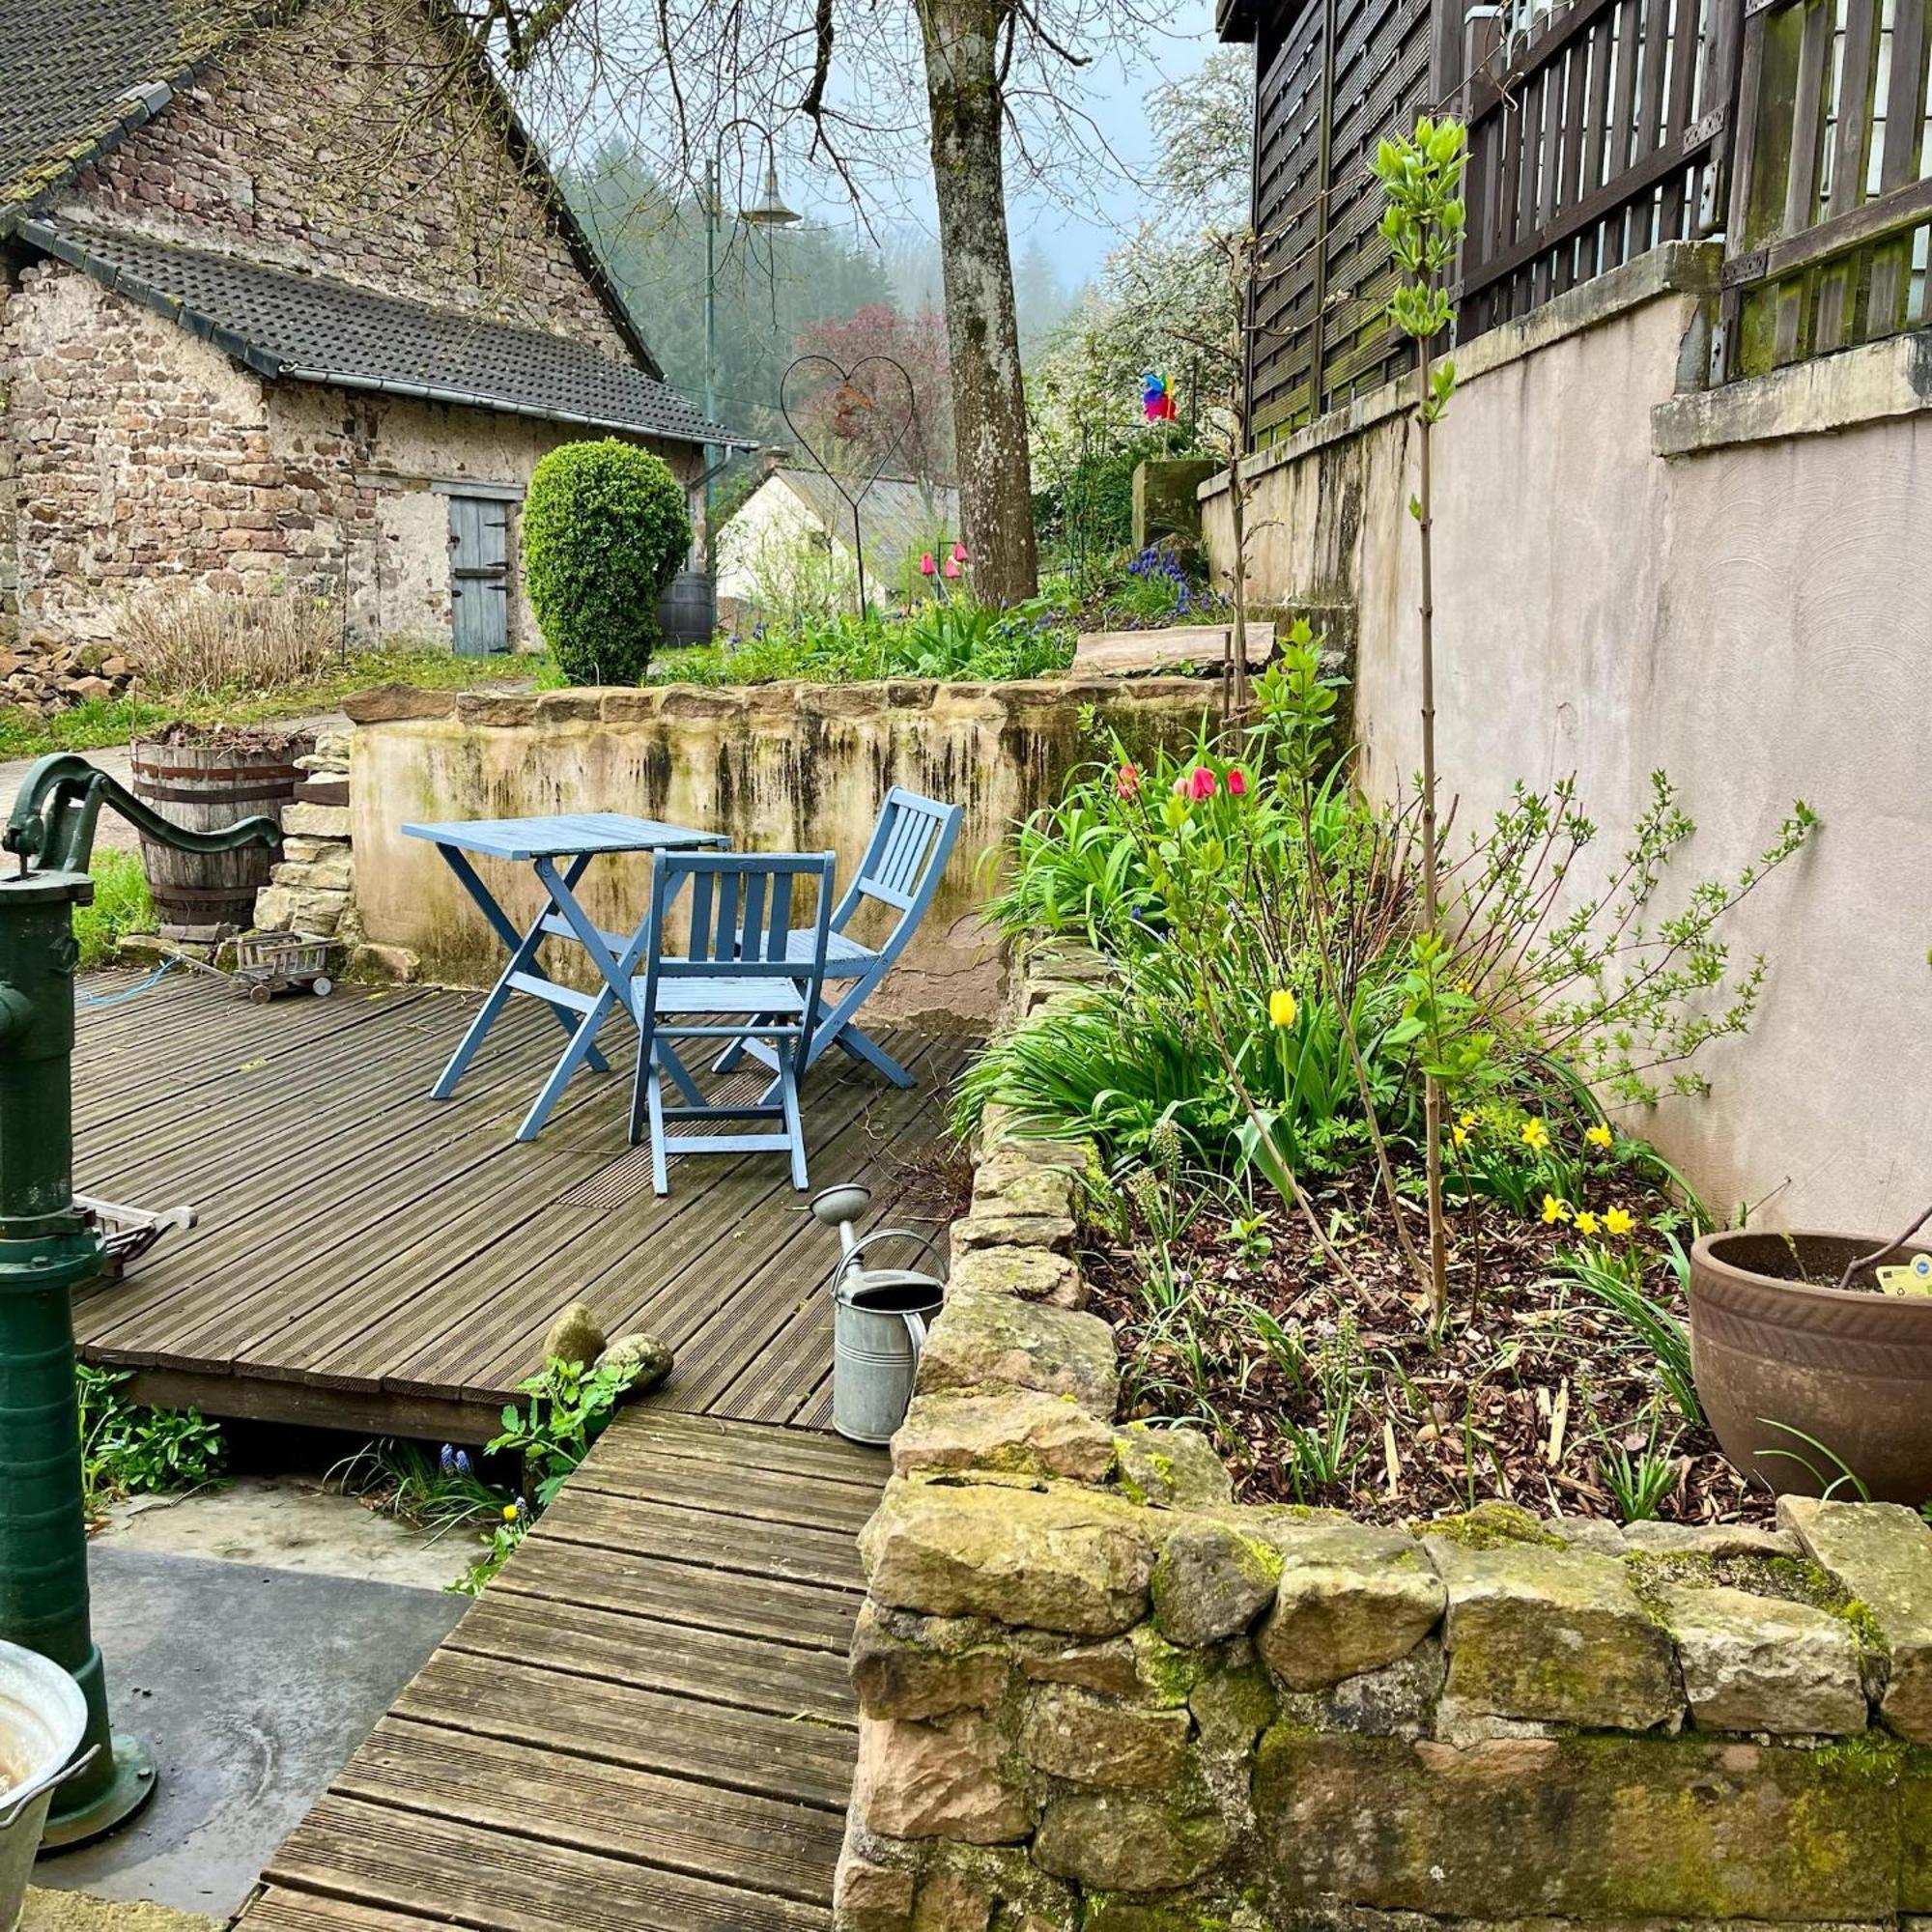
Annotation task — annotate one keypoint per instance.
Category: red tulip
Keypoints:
(959, 553)
(1204, 783)
(1237, 781)
(1128, 782)
(950, 567)
(927, 565)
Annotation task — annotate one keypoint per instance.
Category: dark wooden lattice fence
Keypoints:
(1800, 130)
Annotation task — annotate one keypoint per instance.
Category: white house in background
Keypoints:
(791, 542)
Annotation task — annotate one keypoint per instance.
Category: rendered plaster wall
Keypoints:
(780, 767)
(1094, 1693)
(1751, 617)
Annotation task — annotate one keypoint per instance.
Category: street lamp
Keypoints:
(769, 210)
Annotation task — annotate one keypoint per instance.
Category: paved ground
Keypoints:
(289, 1522)
(251, 1685)
(115, 833)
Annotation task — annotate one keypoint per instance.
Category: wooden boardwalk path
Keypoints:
(644, 1722)
(369, 1259)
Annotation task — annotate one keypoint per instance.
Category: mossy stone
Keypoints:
(1352, 1598)
(1129, 1841)
(1211, 1582)
(1553, 1635)
(1071, 1560)
(1600, 1829)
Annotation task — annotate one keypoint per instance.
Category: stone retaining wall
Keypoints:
(786, 767)
(1096, 1693)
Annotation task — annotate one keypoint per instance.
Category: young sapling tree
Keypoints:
(1422, 178)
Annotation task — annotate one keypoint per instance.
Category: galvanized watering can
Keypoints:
(878, 1324)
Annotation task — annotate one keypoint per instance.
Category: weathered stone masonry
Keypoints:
(131, 452)
(1095, 1693)
(347, 142)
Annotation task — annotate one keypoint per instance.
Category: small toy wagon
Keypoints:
(267, 963)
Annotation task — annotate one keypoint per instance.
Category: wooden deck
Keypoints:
(644, 1722)
(373, 1260)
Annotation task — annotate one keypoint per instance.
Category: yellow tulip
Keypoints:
(1600, 1136)
(1282, 1009)
(1619, 1221)
(1555, 1209)
(1586, 1222)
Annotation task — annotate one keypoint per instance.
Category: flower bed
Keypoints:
(1364, 1216)
(1096, 1692)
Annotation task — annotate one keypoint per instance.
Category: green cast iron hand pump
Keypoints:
(48, 1248)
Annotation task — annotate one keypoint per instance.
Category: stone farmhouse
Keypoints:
(288, 299)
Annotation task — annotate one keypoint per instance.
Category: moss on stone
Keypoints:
(1793, 1580)
(1168, 1671)
(1119, 1912)
(1491, 1525)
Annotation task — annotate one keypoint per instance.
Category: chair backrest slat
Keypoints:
(904, 863)
(740, 914)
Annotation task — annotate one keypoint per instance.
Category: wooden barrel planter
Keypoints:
(206, 779)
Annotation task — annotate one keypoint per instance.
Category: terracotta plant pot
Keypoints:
(1850, 1370)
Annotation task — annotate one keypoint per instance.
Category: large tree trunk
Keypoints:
(982, 334)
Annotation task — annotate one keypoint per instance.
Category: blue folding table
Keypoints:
(575, 838)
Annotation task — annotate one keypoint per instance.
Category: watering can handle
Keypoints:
(864, 1241)
(916, 1333)
(76, 1766)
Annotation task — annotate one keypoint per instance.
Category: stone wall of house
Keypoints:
(1096, 1693)
(348, 141)
(783, 767)
(132, 454)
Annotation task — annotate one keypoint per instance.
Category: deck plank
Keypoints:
(405, 1257)
(628, 1729)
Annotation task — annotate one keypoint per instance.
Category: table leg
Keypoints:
(523, 960)
(613, 969)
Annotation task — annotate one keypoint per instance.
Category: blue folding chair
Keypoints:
(901, 871)
(741, 979)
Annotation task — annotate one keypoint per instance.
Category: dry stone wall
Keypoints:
(1097, 1695)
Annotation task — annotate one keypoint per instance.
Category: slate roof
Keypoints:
(78, 76)
(296, 328)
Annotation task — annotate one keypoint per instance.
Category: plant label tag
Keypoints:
(1913, 1277)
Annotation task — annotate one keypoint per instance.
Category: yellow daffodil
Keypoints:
(1600, 1136)
(1282, 1008)
(1619, 1221)
(1460, 1137)
(1535, 1136)
(1466, 1121)
(1586, 1222)
(1556, 1209)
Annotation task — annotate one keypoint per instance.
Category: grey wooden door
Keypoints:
(479, 573)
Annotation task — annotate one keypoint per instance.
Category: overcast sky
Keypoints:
(1076, 240)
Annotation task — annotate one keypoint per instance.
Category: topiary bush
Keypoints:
(605, 529)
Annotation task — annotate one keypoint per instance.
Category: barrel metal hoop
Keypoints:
(162, 794)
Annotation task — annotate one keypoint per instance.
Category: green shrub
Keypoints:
(605, 528)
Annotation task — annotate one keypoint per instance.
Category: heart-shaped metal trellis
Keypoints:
(859, 416)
